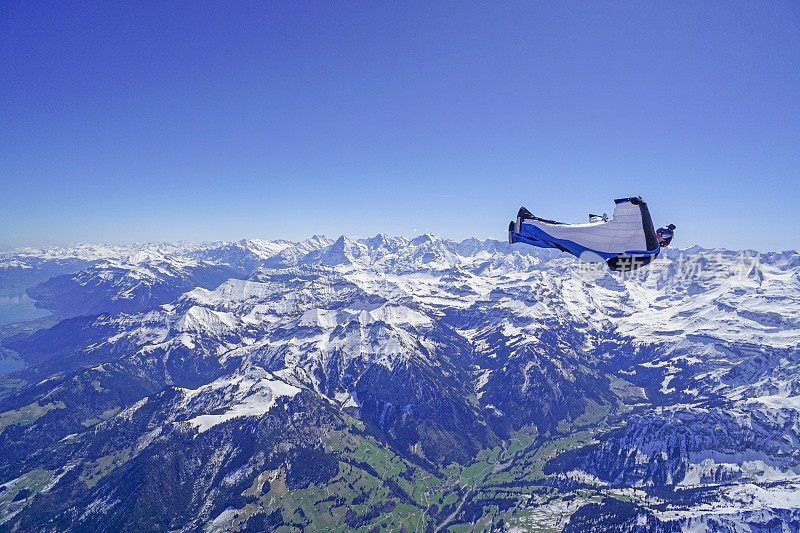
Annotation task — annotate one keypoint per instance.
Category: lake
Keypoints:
(16, 306)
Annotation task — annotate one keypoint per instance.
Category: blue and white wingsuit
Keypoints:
(625, 242)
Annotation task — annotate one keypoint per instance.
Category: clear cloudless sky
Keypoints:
(134, 121)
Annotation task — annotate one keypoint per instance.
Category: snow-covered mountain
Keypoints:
(678, 383)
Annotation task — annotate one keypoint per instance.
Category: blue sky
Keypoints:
(199, 121)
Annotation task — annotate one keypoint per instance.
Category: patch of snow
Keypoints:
(251, 394)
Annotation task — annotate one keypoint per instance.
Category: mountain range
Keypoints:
(419, 384)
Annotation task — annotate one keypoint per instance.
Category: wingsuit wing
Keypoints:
(624, 242)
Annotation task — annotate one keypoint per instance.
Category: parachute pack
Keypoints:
(624, 242)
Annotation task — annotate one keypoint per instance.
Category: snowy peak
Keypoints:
(202, 319)
(343, 251)
(251, 393)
